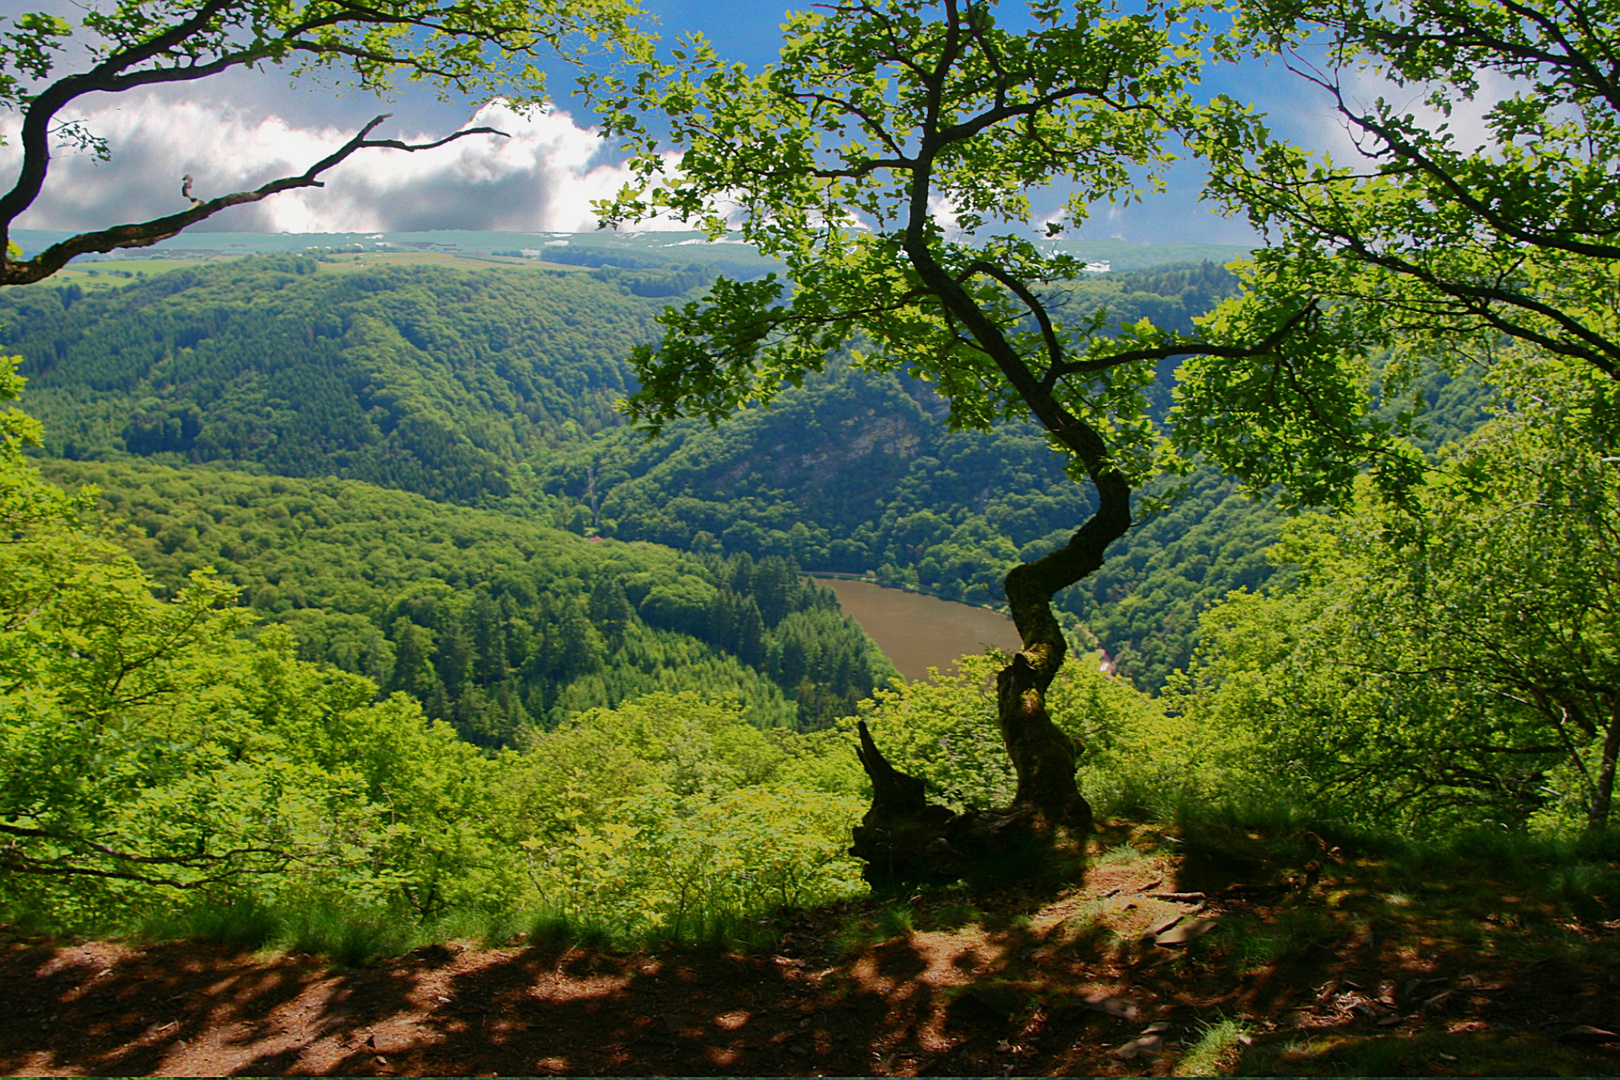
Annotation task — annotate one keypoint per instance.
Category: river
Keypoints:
(917, 632)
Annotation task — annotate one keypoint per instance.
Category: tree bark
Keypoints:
(1043, 756)
(904, 838)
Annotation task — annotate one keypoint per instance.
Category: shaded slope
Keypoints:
(1321, 962)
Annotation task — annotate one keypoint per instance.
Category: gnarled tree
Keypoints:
(876, 160)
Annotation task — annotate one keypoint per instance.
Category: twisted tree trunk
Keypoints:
(903, 838)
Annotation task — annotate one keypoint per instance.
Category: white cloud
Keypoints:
(942, 208)
(1362, 88)
(542, 178)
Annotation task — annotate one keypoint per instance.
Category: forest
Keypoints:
(527, 426)
(384, 620)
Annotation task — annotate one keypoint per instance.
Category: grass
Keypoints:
(895, 919)
(454, 260)
(1405, 910)
(117, 273)
(355, 935)
(946, 912)
(348, 934)
(1216, 1051)
(1259, 942)
(1121, 855)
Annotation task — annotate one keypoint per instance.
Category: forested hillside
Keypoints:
(496, 387)
(857, 472)
(498, 626)
(408, 661)
(428, 380)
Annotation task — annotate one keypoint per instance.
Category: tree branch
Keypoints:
(1182, 348)
(1054, 348)
(1506, 226)
(145, 233)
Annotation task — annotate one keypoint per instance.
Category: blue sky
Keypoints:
(244, 127)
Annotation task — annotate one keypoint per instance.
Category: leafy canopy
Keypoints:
(887, 129)
(887, 160)
(1456, 658)
(1481, 201)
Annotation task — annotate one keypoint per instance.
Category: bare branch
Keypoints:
(145, 233)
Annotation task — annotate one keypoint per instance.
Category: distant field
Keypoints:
(116, 274)
(631, 250)
(438, 258)
(917, 631)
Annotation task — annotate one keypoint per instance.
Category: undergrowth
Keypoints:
(354, 935)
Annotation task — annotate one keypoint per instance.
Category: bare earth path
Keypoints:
(1074, 983)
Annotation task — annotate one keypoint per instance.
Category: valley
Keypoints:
(916, 631)
(493, 386)
(719, 557)
(550, 721)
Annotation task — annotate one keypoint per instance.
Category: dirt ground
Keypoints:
(1130, 974)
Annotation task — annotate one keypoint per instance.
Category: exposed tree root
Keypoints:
(904, 839)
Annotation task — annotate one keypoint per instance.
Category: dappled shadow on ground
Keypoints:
(180, 1009)
(1347, 961)
(1326, 966)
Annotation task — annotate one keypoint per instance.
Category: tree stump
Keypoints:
(904, 839)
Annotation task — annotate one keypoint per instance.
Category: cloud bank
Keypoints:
(542, 178)
(1466, 121)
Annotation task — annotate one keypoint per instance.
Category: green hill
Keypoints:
(430, 380)
(495, 386)
(496, 624)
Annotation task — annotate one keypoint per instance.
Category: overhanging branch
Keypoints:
(1182, 348)
(146, 233)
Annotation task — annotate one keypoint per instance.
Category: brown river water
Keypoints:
(917, 632)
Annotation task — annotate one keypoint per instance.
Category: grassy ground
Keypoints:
(117, 273)
(1203, 947)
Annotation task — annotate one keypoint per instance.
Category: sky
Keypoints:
(239, 129)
